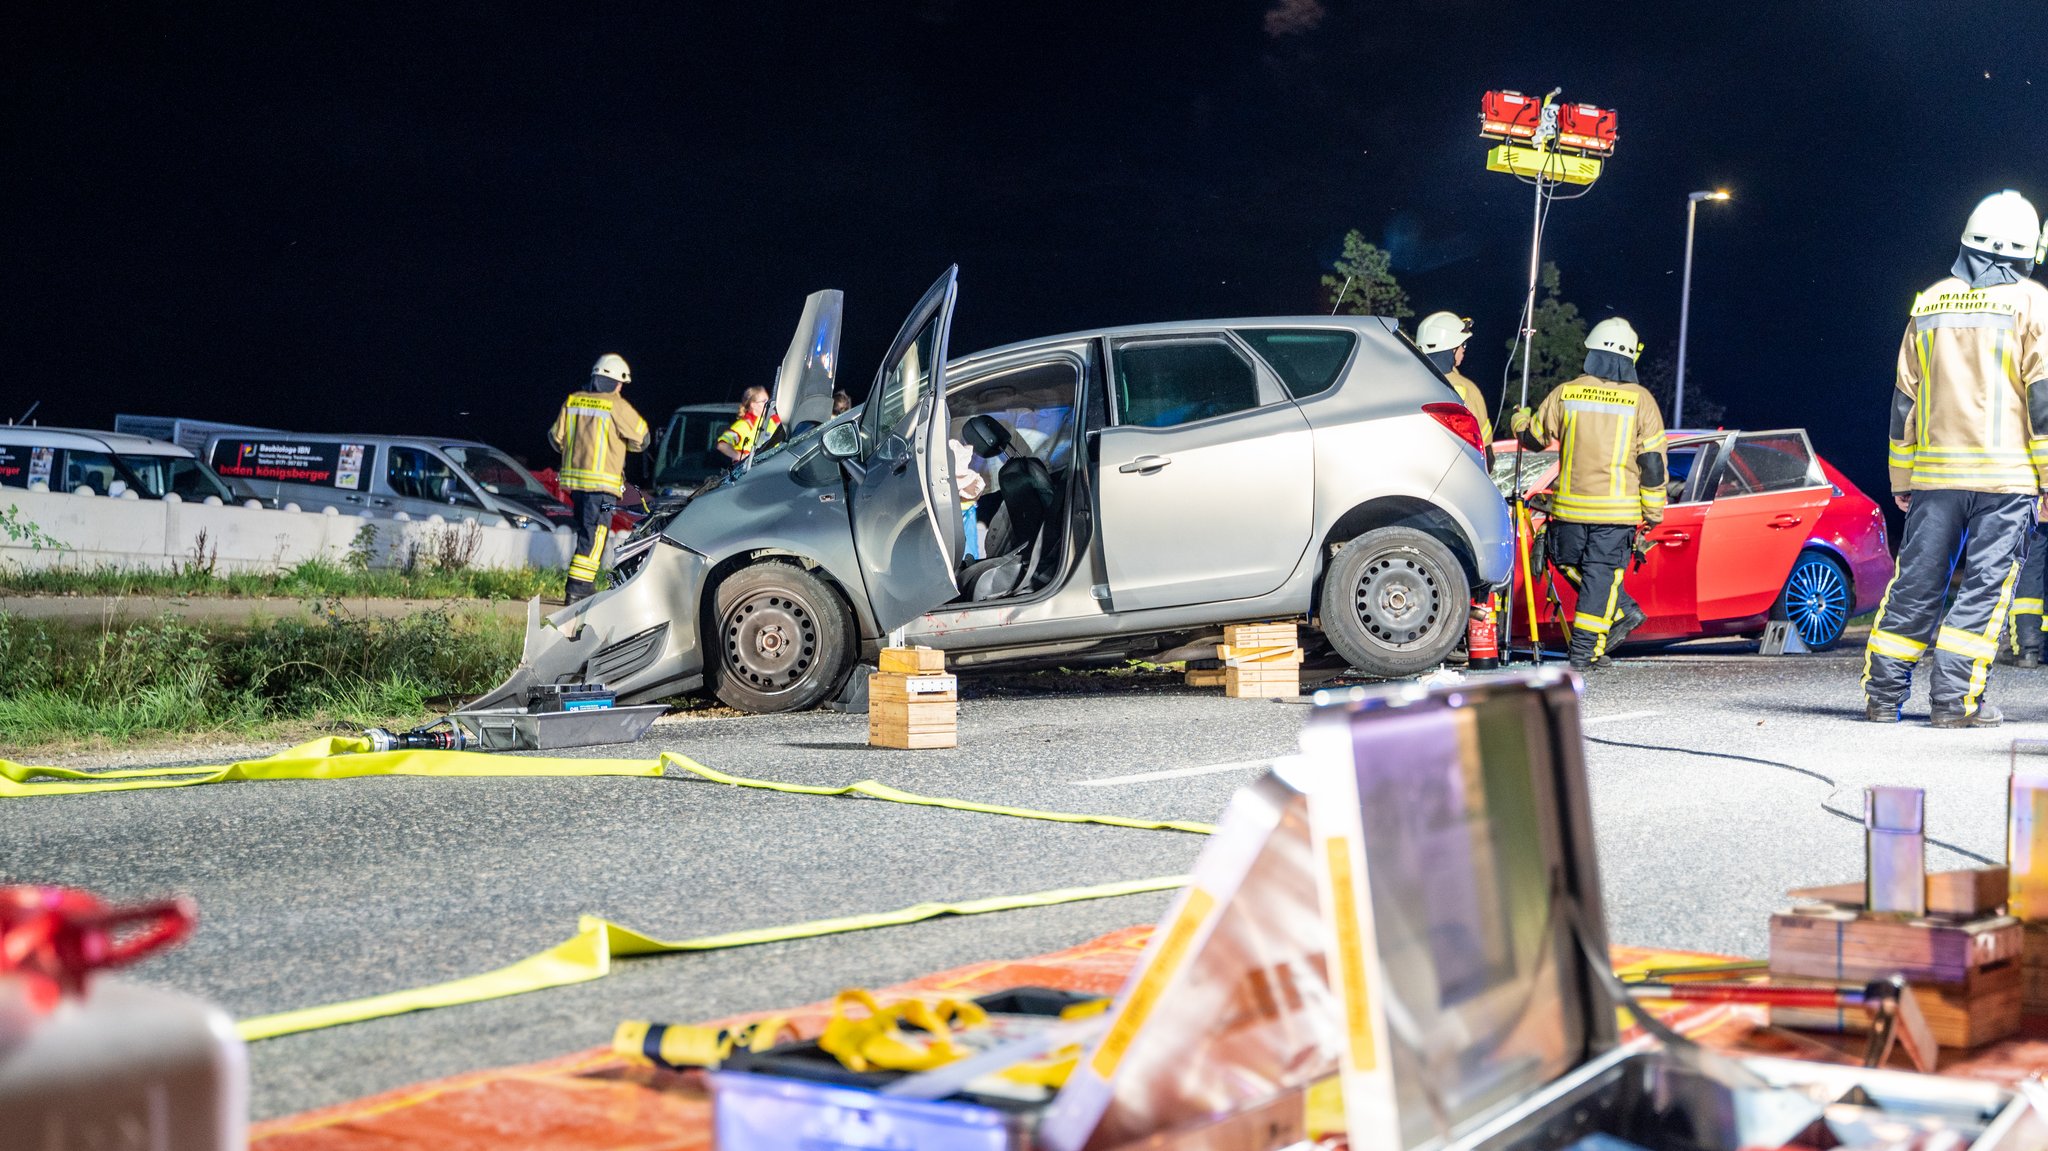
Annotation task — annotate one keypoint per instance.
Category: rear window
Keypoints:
(1307, 360)
(14, 460)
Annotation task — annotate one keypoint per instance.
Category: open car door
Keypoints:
(907, 528)
(1767, 491)
(810, 369)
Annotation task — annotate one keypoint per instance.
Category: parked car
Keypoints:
(1147, 485)
(104, 463)
(386, 475)
(1758, 528)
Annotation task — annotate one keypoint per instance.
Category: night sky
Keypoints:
(375, 217)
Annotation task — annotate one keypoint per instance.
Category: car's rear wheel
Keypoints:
(1816, 600)
(783, 639)
(1394, 602)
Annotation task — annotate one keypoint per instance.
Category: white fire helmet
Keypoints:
(2004, 224)
(1615, 334)
(612, 366)
(1442, 331)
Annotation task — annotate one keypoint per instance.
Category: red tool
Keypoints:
(1894, 1013)
(54, 937)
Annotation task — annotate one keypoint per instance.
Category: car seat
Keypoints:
(1017, 530)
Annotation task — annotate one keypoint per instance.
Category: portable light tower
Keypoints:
(1542, 143)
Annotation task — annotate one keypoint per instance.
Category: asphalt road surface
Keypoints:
(317, 892)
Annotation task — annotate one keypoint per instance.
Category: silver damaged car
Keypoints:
(1106, 493)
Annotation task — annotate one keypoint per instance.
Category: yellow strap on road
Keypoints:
(588, 955)
(876, 790)
(331, 757)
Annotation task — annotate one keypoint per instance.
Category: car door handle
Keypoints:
(382, 503)
(1785, 520)
(1673, 537)
(1145, 465)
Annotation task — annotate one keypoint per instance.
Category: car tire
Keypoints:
(781, 639)
(1816, 599)
(1394, 602)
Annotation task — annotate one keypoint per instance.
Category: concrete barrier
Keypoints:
(167, 534)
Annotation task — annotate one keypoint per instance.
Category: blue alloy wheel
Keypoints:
(1816, 600)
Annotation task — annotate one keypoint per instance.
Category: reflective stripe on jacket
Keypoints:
(740, 436)
(1965, 414)
(1601, 426)
(1469, 392)
(594, 431)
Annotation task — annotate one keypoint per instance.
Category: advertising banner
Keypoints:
(326, 463)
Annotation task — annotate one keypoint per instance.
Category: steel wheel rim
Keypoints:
(1817, 601)
(771, 641)
(1398, 600)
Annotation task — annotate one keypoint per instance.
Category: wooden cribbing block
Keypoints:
(912, 702)
(911, 660)
(1967, 973)
(1970, 893)
(1205, 677)
(2034, 969)
(1245, 656)
(1262, 635)
(1250, 683)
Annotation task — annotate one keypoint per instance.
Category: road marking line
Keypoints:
(1175, 773)
(1240, 765)
(1619, 718)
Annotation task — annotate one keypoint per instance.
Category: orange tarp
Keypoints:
(594, 1101)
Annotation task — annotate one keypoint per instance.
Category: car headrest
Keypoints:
(987, 436)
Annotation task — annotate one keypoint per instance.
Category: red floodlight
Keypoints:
(1585, 126)
(1509, 115)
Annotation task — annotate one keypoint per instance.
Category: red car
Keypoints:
(1758, 528)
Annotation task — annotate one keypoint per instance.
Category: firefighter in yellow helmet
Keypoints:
(1442, 337)
(595, 430)
(1969, 456)
(1611, 474)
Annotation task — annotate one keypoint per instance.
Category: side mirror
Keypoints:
(842, 441)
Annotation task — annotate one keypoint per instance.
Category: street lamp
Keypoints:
(1692, 205)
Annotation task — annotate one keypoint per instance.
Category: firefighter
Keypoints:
(1610, 479)
(739, 441)
(1969, 455)
(595, 430)
(1442, 337)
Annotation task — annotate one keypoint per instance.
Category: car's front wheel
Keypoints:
(1394, 602)
(783, 639)
(1816, 600)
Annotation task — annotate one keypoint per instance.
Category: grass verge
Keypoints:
(121, 682)
(314, 579)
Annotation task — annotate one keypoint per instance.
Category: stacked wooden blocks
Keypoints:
(912, 701)
(1962, 959)
(1261, 659)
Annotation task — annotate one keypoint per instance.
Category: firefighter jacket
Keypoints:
(1469, 392)
(1611, 438)
(1971, 408)
(594, 431)
(741, 436)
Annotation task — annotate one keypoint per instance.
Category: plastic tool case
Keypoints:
(1412, 905)
(1489, 1019)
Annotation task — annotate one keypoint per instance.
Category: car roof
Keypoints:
(352, 438)
(1178, 327)
(120, 443)
(722, 409)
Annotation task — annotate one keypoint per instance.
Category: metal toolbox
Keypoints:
(1488, 1021)
(516, 729)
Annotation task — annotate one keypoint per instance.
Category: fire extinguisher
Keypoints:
(1482, 639)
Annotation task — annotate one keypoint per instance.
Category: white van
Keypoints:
(72, 460)
(383, 476)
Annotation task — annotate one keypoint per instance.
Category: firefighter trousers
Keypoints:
(1592, 558)
(593, 524)
(1984, 532)
(2025, 633)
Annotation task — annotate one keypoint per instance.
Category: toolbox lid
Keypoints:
(1485, 895)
